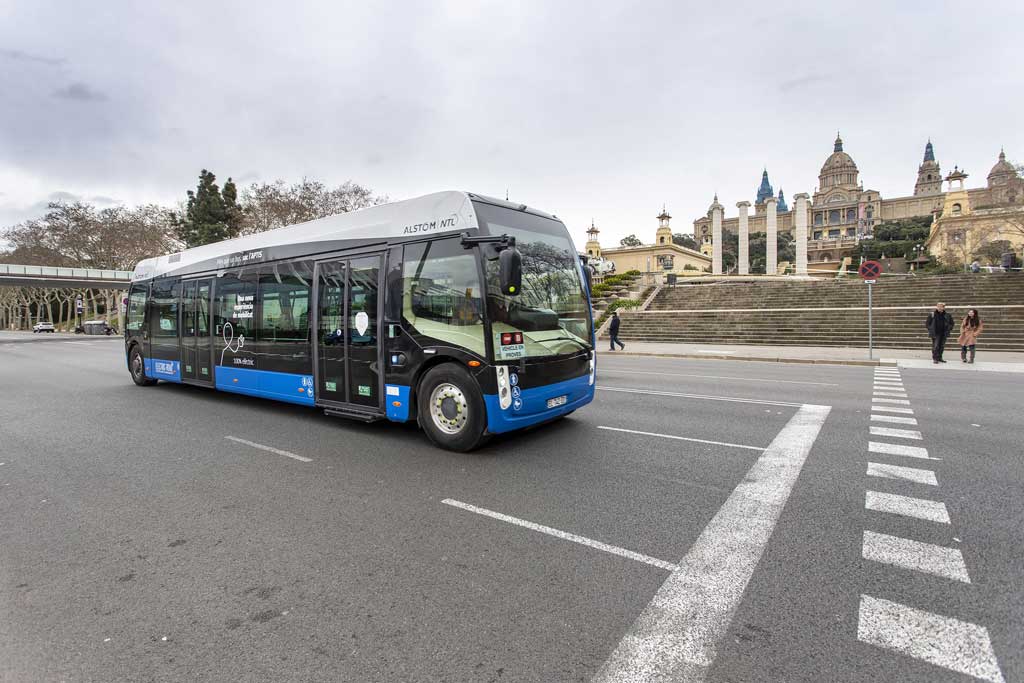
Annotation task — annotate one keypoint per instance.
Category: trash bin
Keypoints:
(670, 278)
(1009, 260)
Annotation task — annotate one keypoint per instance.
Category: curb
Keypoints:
(763, 359)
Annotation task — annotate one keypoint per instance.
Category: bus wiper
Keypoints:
(582, 344)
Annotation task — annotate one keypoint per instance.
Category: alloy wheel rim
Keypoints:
(449, 409)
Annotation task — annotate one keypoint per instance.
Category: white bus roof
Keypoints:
(436, 213)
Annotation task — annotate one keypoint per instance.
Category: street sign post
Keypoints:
(869, 270)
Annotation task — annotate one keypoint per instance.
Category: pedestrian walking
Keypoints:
(613, 331)
(939, 325)
(970, 329)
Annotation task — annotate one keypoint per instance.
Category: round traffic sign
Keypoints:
(869, 270)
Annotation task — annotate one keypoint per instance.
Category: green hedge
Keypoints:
(615, 305)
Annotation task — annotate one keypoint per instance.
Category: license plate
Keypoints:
(557, 401)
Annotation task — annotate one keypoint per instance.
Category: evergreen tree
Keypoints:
(687, 241)
(210, 215)
(630, 241)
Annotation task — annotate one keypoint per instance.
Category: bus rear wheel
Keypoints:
(451, 408)
(138, 368)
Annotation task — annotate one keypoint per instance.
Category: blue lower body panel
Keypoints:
(397, 398)
(280, 386)
(167, 370)
(532, 405)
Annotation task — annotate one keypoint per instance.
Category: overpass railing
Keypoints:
(115, 276)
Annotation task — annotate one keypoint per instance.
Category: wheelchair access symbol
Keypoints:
(516, 392)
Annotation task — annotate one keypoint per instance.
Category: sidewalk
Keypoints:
(828, 355)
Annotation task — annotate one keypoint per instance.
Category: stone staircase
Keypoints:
(834, 312)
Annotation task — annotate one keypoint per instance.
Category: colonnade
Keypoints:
(771, 235)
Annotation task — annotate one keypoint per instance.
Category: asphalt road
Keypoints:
(139, 542)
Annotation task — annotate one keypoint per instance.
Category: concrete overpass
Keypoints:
(58, 278)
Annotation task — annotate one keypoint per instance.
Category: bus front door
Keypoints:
(348, 334)
(196, 342)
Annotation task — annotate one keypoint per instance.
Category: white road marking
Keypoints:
(899, 449)
(896, 433)
(890, 393)
(270, 449)
(564, 535)
(700, 396)
(877, 469)
(681, 438)
(742, 379)
(726, 353)
(887, 373)
(879, 383)
(918, 508)
(675, 637)
(895, 401)
(943, 641)
(886, 409)
(915, 556)
(892, 419)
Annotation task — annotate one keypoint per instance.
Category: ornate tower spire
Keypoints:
(781, 205)
(593, 246)
(765, 190)
(839, 143)
(929, 175)
(664, 233)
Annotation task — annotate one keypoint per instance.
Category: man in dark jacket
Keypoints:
(613, 331)
(939, 325)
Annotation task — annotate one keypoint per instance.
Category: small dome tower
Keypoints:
(593, 247)
(929, 176)
(664, 234)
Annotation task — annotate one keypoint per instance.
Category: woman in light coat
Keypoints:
(970, 329)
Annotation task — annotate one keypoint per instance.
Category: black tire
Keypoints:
(137, 368)
(455, 417)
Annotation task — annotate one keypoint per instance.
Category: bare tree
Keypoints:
(273, 205)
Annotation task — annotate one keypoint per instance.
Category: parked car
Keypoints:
(96, 327)
(42, 326)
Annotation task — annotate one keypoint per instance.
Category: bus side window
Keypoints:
(136, 309)
(393, 287)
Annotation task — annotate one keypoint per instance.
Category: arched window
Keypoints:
(833, 217)
(819, 218)
(929, 176)
(851, 215)
(662, 241)
(957, 209)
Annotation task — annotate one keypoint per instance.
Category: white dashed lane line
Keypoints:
(915, 556)
(891, 419)
(681, 438)
(908, 506)
(943, 641)
(269, 449)
(564, 535)
(896, 432)
(911, 474)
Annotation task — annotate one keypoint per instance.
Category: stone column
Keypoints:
(771, 230)
(716, 238)
(800, 232)
(743, 255)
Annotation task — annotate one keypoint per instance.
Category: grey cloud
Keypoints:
(801, 82)
(62, 196)
(80, 92)
(101, 199)
(21, 56)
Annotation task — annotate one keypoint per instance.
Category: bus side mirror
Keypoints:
(587, 278)
(511, 271)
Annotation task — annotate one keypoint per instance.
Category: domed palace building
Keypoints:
(842, 211)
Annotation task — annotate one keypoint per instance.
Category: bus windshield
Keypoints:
(551, 315)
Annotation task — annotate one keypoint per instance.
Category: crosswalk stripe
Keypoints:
(879, 384)
(915, 556)
(887, 409)
(893, 394)
(885, 471)
(894, 401)
(943, 641)
(897, 433)
(899, 449)
(918, 508)
(893, 419)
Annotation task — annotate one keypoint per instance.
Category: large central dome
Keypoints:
(839, 170)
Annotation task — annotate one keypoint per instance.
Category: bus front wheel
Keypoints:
(138, 368)
(451, 408)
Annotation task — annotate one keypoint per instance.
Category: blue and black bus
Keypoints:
(468, 314)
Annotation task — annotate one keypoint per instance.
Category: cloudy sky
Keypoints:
(590, 110)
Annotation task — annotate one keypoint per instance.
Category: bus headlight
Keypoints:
(504, 394)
